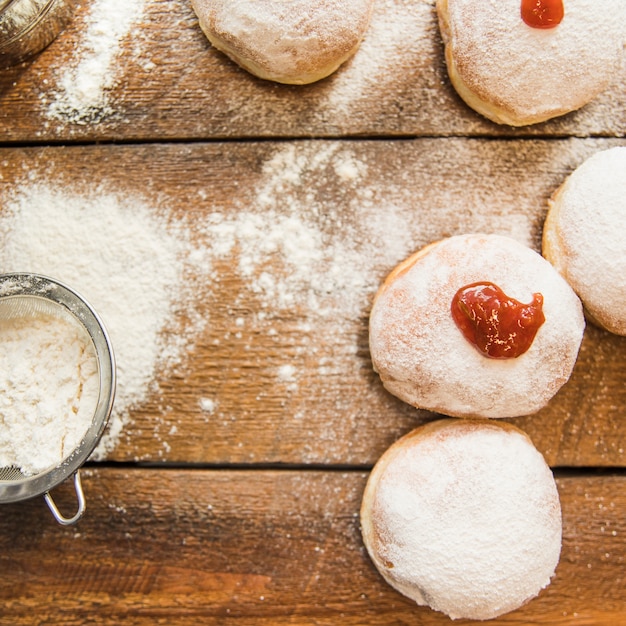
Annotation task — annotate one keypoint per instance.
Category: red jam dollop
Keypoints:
(500, 327)
(542, 13)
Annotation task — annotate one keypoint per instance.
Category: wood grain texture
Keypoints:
(166, 81)
(264, 547)
(331, 408)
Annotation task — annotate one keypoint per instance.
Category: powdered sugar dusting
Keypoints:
(314, 261)
(464, 517)
(587, 237)
(422, 356)
(294, 42)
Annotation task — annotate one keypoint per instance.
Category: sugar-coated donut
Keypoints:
(424, 358)
(584, 236)
(463, 516)
(515, 74)
(294, 42)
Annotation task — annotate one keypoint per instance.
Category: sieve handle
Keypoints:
(80, 496)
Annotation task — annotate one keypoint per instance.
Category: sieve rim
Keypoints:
(24, 284)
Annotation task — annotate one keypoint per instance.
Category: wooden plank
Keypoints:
(156, 76)
(291, 382)
(263, 547)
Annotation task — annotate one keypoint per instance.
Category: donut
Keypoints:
(585, 239)
(463, 516)
(527, 326)
(295, 42)
(519, 74)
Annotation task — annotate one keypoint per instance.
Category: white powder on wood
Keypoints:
(126, 258)
(84, 85)
(49, 389)
(208, 405)
(291, 243)
(391, 41)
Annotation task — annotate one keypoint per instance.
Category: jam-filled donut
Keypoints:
(584, 236)
(463, 516)
(294, 42)
(521, 62)
(475, 326)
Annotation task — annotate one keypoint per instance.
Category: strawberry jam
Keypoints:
(500, 327)
(542, 13)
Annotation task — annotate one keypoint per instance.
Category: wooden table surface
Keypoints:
(232, 494)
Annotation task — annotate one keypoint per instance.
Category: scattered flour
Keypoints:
(208, 405)
(126, 259)
(465, 519)
(294, 247)
(43, 417)
(391, 41)
(84, 84)
(286, 372)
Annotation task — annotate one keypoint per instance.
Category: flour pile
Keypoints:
(128, 260)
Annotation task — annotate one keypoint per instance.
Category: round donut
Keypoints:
(463, 516)
(584, 236)
(423, 356)
(295, 42)
(516, 74)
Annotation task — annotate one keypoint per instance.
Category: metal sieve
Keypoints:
(23, 295)
(28, 26)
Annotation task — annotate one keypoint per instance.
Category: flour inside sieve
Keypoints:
(48, 384)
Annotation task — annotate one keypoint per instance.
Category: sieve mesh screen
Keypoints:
(10, 474)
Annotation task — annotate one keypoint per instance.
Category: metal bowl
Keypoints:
(28, 26)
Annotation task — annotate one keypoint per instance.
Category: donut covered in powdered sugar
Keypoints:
(463, 516)
(294, 42)
(584, 236)
(515, 74)
(423, 356)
